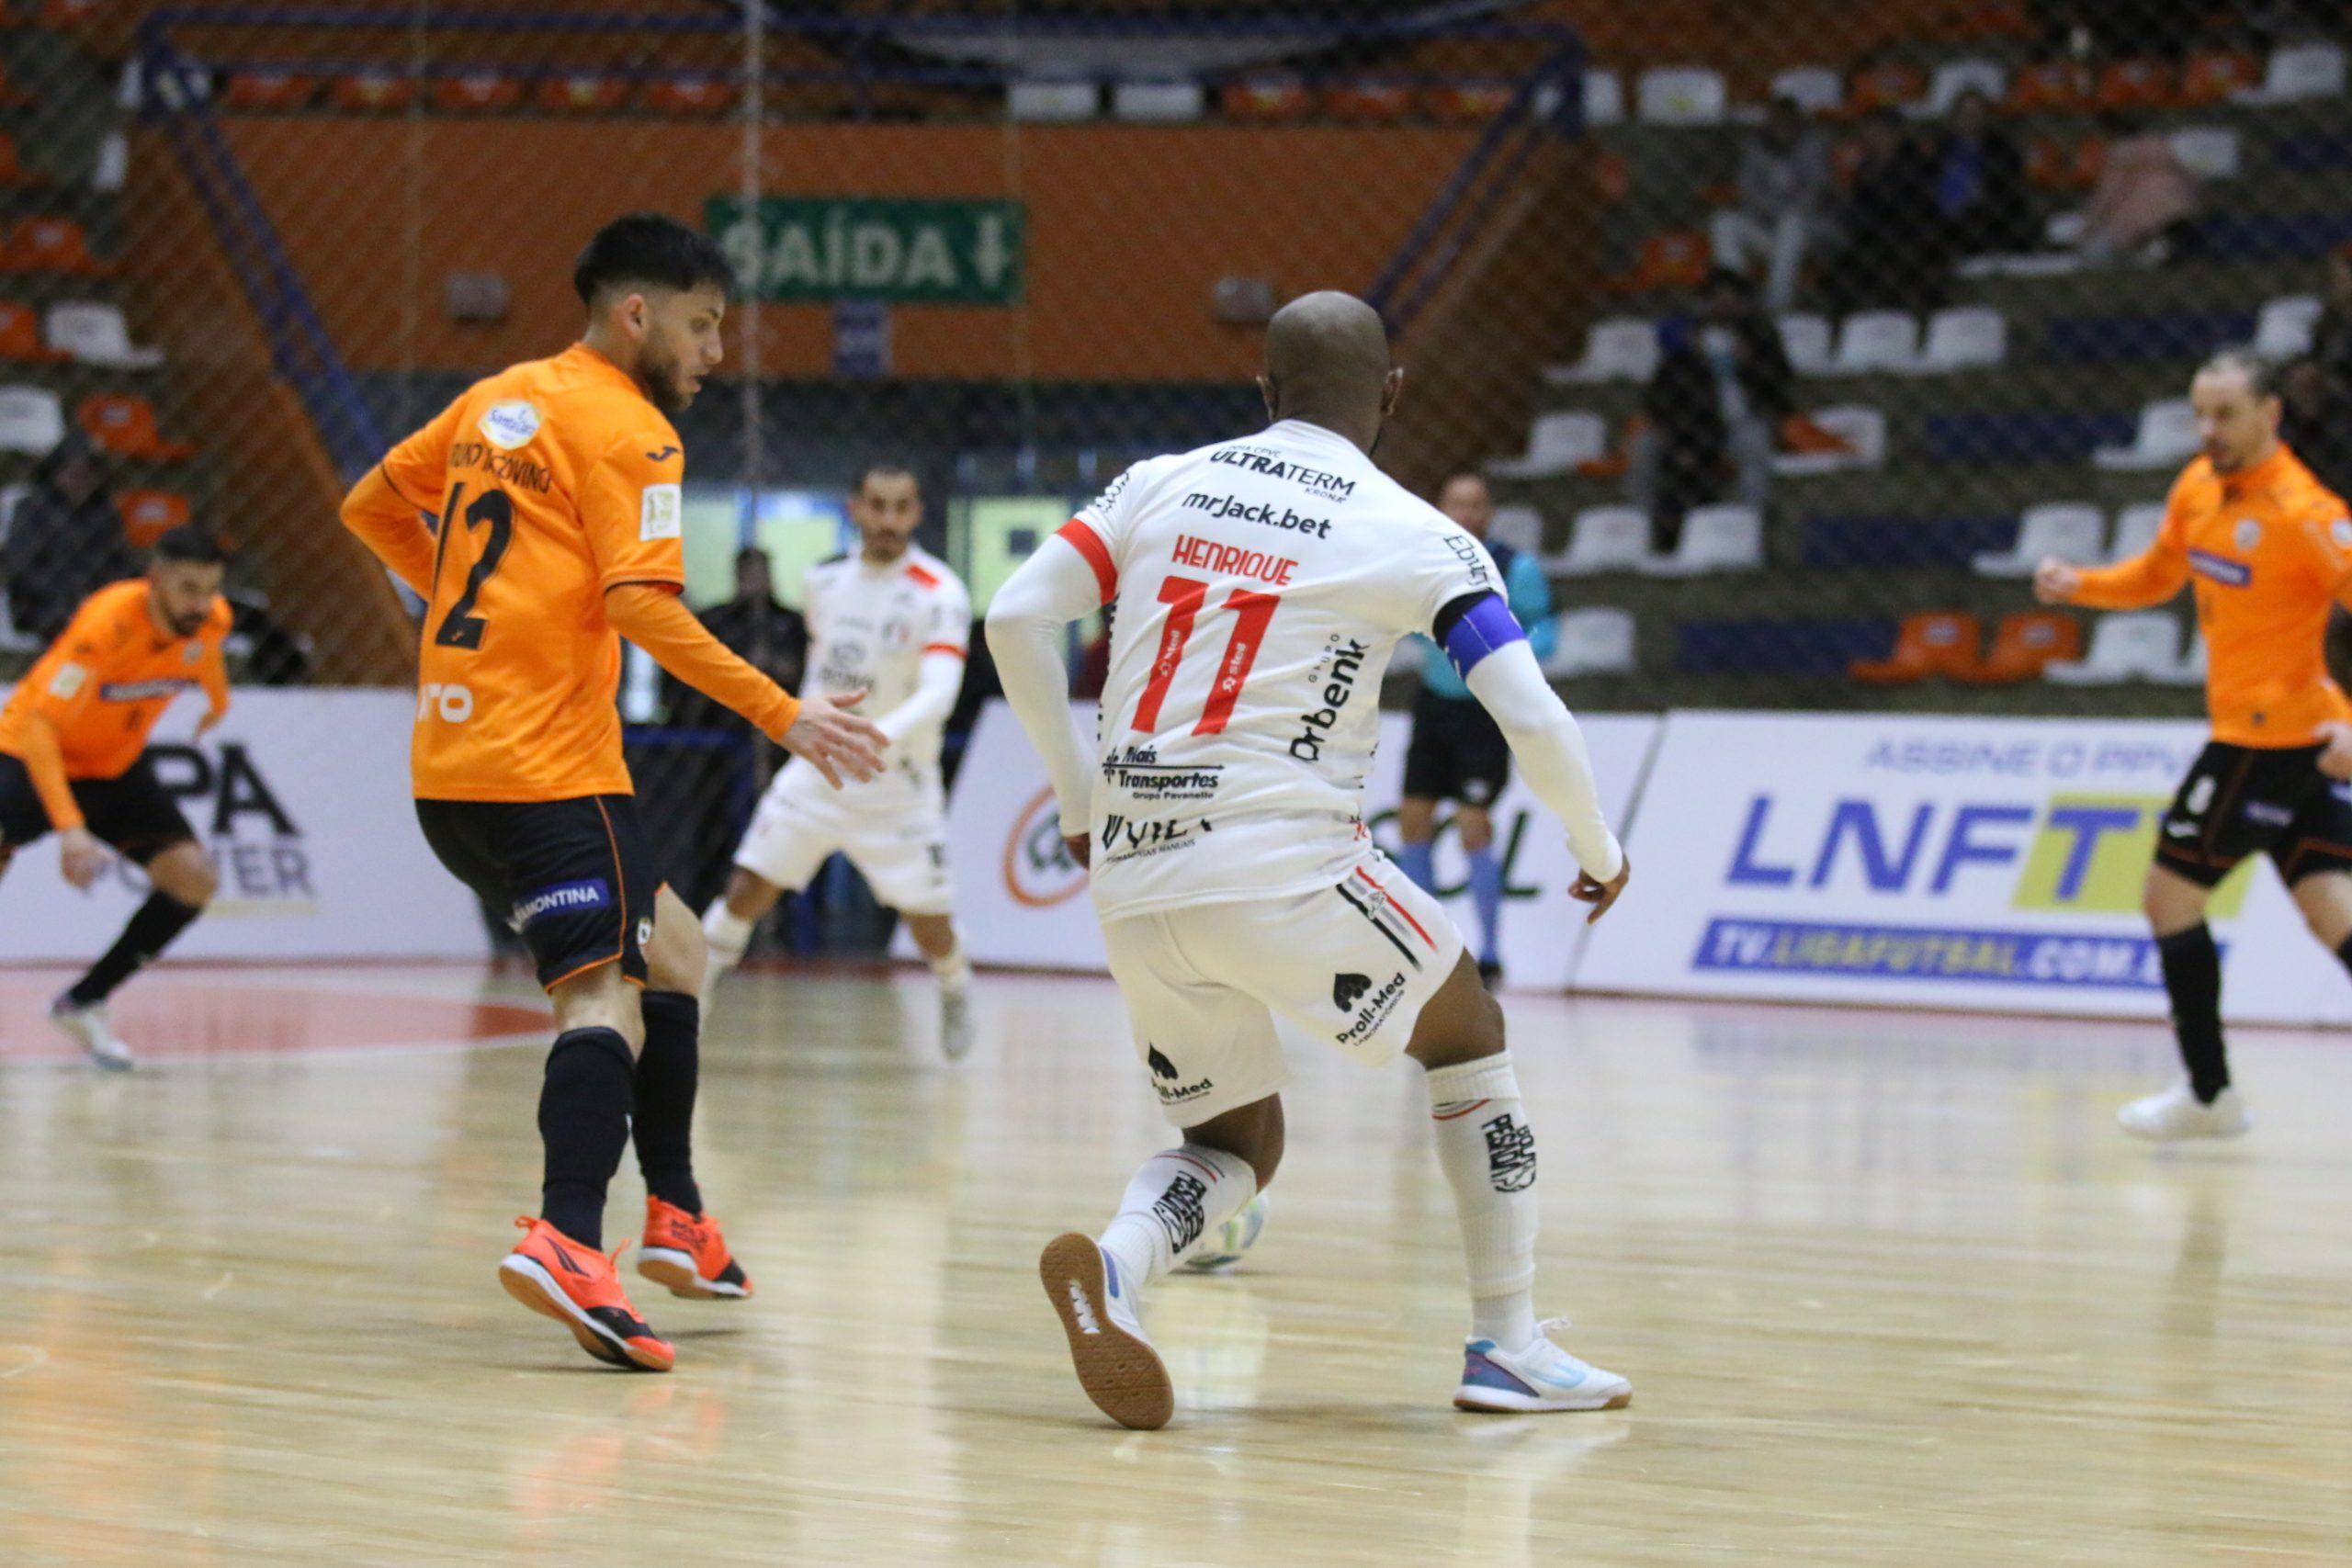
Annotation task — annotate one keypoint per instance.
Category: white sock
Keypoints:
(1178, 1196)
(954, 971)
(1488, 1156)
(725, 934)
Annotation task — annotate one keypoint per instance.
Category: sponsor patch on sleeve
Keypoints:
(2341, 532)
(662, 514)
(68, 682)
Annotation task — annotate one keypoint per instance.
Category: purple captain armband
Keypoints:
(1470, 630)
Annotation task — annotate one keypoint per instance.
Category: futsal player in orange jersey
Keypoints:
(74, 758)
(2269, 549)
(557, 486)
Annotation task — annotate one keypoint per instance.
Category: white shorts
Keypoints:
(1353, 965)
(901, 848)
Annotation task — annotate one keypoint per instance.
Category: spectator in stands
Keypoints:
(1723, 387)
(2316, 422)
(2144, 205)
(1784, 185)
(66, 541)
(2331, 336)
(1980, 184)
(1890, 251)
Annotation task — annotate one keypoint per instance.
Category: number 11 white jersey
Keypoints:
(1257, 588)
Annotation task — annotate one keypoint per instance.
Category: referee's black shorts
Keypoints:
(1457, 752)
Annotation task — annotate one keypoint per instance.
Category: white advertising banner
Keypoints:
(1021, 899)
(301, 798)
(1985, 863)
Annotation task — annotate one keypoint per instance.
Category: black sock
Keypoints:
(584, 1122)
(153, 926)
(666, 1075)
(2193, 979)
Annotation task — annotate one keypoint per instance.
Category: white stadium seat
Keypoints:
(31, 420)
(1714, 538)
(1966, 337)
(2167, 436)
(1817, 89)
(1682, 94)
(2209, 152)
(1520, 527)
(95, 334)
(1604, 538)
(1804, 337)
(2139, 644)
(2136, 528)
(1862, 429)
(1555, 445)
(1048, 102)
(1620, 348)
(2070, 530)
(1595, 640)
(113, 164)
(1876, 340)
(2285, 327)
(2298, 71)
(1954, 77)
(2190, 670)
(1604, 99)
(1158, 103)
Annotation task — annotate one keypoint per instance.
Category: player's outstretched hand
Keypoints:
(840, 743)
(1589, 889)
(2055, 583)
(80, 856)
(2335, 756)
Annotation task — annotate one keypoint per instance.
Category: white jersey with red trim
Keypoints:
(1257, 588)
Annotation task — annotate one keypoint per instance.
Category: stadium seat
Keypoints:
(2300, 72)
(148, 514)
(2217, 75)
(690, 97)
(1861, 437)
(1890, 84)
(113, 164)
(372, 92)
(1369, 100)
(127, 427)
(1682, 94)
(14, 176)
(1266, 99)
(2072, 531)
(1038, 102)
(1804, 337)
(10, 496)
(20, 339)
(2285, 327)
(1815, 89)
(31, 420)
(1595, 640)
(2049, 86)
(2136, 528)
(1677, 258)
(1556, 444)
(1619, 348)
(2024, 644)
(586, 93)
(1467, 103)
(1954, 77)
(2138, 84)
(267, 90)
(1876, 340)
(2136, 645)
(53, 245)
(1519, 527)
(1934, 642)
(1966, 337)
(1604, 538)
(478, 92)
(2209, 152)
(1714, 538)
(2167, 436)
(96, 335)
(1179, 101)
(1604, 99)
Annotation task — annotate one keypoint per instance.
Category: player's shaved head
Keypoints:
(1327, 362)
(2235, 396)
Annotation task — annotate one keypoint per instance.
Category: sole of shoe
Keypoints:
(1497, 1402)
(117, 1060)
(1122, 1374)
(674, 1272)
(529, 1283)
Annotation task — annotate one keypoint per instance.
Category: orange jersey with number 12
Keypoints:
(554, 482)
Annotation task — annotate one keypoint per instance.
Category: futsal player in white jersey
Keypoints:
(890, 620)
(1257, 589)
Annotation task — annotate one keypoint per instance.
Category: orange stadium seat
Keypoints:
(2136, 84)
(2090, 157)
(1468, 102)
(478, 92)
(54, 245)
(126, 426)
(583, 95)
(2211, 77)
(691, 95)
(2022, 644)
(2049, 85)
(1889, 83)
(269, 90)
(1266, 99)
(20, 339)
(1676, 258)
(2052, 165)
(1937, 642)
(1369, 102)
(148, 514)
(372, 92)
(14, 176)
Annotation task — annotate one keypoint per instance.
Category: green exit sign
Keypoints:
(909, 252)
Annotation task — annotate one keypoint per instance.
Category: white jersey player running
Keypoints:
(891, 621)
(1257, 589)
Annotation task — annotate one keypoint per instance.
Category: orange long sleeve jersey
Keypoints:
(2268, 548)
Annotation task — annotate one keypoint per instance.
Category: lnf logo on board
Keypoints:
(912, 253)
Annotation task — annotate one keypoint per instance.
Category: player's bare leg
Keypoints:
(2204, 1105)
(683, 1247)
(727, 926)
(184, 883)
(935, 936)
(1487, 1152)
(1097, 1285)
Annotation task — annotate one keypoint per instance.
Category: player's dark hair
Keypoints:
(648, 250)
(2261, 373)
(192, 545)
(886, 470)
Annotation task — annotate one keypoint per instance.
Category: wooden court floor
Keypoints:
(1891, 1289)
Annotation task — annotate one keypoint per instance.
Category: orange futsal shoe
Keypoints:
(686, 1253)
(554, 1275)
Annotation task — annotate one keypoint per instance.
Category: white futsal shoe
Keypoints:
(89, 1028)
(1116, 1365)
(1542, 1377)
(2177, 1115)
(955, 1022)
